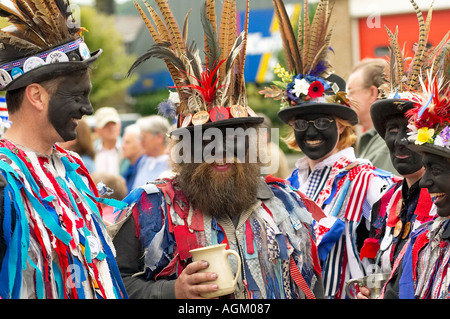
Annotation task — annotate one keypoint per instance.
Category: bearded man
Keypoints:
(217, 196)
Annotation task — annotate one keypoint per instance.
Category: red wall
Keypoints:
(408, 30)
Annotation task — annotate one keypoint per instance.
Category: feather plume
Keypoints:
(209, 13)
(227, 30)
(161, 28)
(240, 80)
(306, 26)
(235, 50)
(292, 53)
(397, 61)
(425, 60)
(186, 26)
(417, 62)
(35, 25)
(212, 46)
(306, 54)
(160, 51)
(172, 26)
(153, 32)
(199, 88)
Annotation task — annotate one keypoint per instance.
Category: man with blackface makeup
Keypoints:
(407, 205)
(217, 195)
(420, 270)
(53, 243)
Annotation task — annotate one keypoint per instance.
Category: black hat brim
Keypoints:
(429, 148)
(344, 112)
(382, 110)
(50, 71)
(238, 121)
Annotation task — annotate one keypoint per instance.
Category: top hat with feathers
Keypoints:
(210, 94)
(43, 41)
(309, 84)
(406, 75)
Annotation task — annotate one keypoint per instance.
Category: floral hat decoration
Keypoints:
(308, 85)
(400, 92)
(210, 93)
(41, 42)
(429, 119)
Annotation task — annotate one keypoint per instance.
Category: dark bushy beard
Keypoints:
(219, 193)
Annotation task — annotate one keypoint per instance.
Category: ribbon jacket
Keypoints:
(53, 243)
(345, 188)
(421, 271)
(273, 237)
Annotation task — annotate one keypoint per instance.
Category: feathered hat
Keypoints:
(398, 94)
(213, 93)
(42, 41)
(309, 84)
(429, 118)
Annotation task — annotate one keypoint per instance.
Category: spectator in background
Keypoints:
(133, 154)
(363, 83)
(278, 168)
(155, 142)
(108, 149)
(83, 145)
(116, 188)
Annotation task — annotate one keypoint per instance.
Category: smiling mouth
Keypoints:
(314, 142)
(438, 197)
(222, 167)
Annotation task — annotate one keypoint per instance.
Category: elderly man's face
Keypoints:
(436, 179)
(69, 103)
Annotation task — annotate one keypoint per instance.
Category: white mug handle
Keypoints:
(235, 254)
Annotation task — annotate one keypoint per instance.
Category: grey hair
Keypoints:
(155, 124)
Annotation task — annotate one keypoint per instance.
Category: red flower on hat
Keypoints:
(316, 89)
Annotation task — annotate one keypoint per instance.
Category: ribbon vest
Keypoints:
(56, 245)
(273, 238)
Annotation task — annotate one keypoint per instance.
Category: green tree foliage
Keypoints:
(109, 81)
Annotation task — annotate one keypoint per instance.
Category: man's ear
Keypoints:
(37, 96)
(373, 93)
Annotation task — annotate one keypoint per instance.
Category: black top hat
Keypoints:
(382, 110)
(42, 42)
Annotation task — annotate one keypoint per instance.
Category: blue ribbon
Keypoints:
(330, 239)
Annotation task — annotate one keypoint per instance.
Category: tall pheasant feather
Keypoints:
(292, 53)
(306, 54)
(417, 62)
(403, 77)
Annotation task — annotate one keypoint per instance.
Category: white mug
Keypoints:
(217, 258)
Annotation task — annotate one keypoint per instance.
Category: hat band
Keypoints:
(76, 50)
(215, 114)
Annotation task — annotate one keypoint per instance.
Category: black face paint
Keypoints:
(404, 160)
(316, 143)
(436, 179)
(69, 103)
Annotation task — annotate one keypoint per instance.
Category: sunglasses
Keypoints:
(321, 123)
